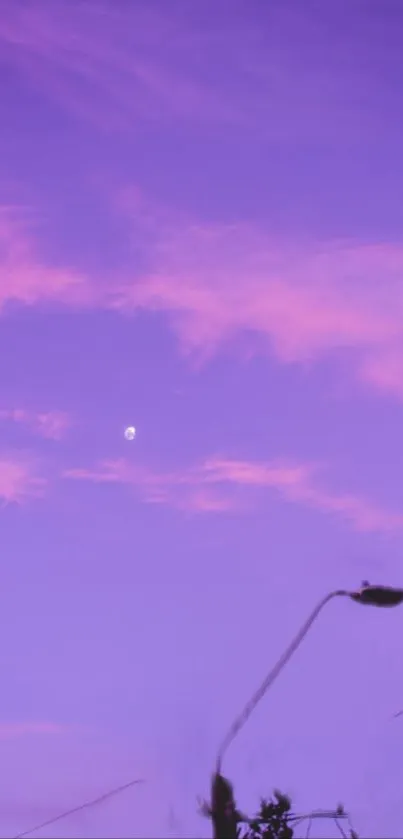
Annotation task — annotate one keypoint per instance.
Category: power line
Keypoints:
(308, 830)
(335, 815)
(338, 825)
(98, 800)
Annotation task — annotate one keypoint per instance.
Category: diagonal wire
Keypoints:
(308, 830)
(351, 829)
(98, 800)
(338, 825)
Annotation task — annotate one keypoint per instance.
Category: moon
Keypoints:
(130, 432)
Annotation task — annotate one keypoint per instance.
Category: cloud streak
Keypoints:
(109, 67)
(10, 730)
(301, 301)
(304, 301)
(27, 280)
(216, 485)
(19, 480)
(52, 425)
(184, 491)
(119, 68)
(298, 484)
(213, 487)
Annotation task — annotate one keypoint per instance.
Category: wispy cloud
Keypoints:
(118, 64)
(52, 425)
(210, 487)
(304, 300)
(9, 730)
(215, 485)
(108, 66)
(25, 278)
(299, 484)
(384, 369)
(19, 480)
(183, 491)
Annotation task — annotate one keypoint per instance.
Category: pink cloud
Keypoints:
(297, 483)
(204, 501)
(384, 370)
(304, 301)
(52, 425)
(118, 64)
(210, 488)
(183, 491)
(113, 471)
(19, 480)
(249, 473)
(25, 279)
(20, 729)
(108, 67)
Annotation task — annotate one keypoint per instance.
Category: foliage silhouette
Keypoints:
(272, 820)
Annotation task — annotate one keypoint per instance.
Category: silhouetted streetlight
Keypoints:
(377, 595)
(368, 595)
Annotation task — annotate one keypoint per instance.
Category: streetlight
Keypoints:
(367, 595)
(377, 595)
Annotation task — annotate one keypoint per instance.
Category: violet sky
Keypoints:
(201, 225)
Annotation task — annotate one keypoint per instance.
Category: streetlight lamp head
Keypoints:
(378, 595)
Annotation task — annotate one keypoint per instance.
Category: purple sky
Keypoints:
(201, 235)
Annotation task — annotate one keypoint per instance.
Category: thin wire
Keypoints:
(340, 828)
(352, 831)
(98, 800)
(318, 814)
(272, 676)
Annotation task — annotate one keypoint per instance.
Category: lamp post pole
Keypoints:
(383, 596)
(223, 808)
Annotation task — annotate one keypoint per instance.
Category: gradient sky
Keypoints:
(201, 235)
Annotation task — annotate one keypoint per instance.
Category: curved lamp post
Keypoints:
(367, 595)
